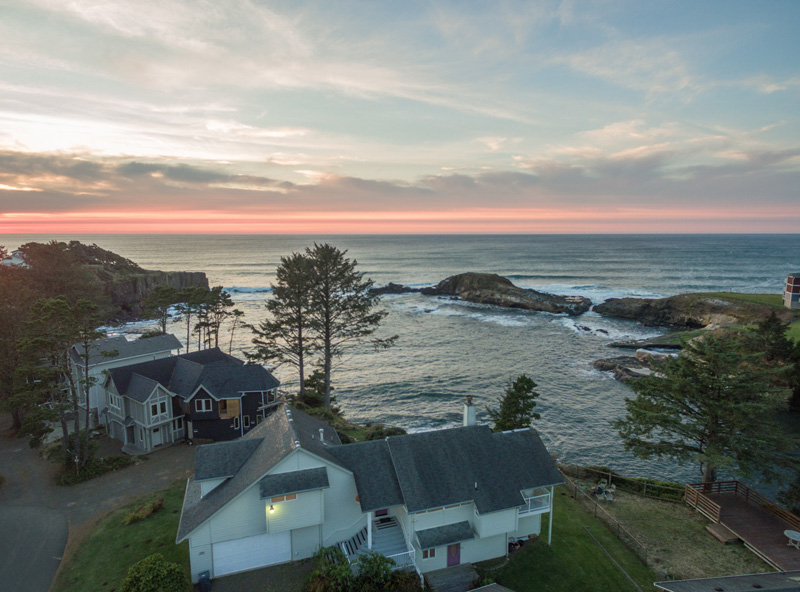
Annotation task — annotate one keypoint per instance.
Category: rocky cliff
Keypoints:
(692, 311)
(489, 288)
(127, 291)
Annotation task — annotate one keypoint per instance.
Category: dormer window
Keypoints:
(202, 405)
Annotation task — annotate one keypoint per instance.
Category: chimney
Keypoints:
(469, 412)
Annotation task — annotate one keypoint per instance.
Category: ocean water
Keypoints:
(448, 349)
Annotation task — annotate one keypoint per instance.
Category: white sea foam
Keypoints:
(597, 293)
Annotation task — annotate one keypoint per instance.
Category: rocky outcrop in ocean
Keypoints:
(490, 288)
(692, 311)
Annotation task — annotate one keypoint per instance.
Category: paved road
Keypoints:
(36, 517)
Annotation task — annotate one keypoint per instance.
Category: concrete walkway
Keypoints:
(38, 518)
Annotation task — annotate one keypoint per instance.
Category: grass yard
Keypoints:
(774, 300)
(676, 539)
(574, 561)
(102, 561)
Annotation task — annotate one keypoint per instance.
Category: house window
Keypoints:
(114, 401)
(235, 423)
(178, 423)
(428, 553)
(202, 405)
(163, 407)
(259, 419)
(270, 396)
(153, 409)
(246, 420)
(141, 434)
(283, 498)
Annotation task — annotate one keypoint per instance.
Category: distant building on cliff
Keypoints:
(791, 293)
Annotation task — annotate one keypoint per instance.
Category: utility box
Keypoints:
(204, 581)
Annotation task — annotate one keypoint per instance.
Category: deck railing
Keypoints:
(535, 504)
(696, 497)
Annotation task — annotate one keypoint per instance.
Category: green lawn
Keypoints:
(574, 561)
(103, 559)
(774, 300)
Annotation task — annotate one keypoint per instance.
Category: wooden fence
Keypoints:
(615, 526)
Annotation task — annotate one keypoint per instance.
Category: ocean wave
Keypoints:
(247, 290)
(597, 293)
(606, 328)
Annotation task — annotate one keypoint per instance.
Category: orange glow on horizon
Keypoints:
(468, 221)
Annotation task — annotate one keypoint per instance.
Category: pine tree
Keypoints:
(284, 337)
(343, 311)
(711, 405)
(516, 406)
(158, 303)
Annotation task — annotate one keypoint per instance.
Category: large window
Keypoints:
(428, 553)
(202, 405)
(115, 401)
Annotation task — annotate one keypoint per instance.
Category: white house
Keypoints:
(116, 352)
(427, 500)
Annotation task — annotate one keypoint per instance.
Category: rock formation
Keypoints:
(693, 311)
(489, 288)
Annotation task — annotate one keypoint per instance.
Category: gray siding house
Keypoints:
(206, 395)
(427, 500)
(115, 352)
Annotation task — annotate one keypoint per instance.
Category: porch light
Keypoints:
(271, 509)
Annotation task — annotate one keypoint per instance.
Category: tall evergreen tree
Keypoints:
(343, 310)
(711, 405)
(283, 337)
(516, 406)
(157, 304)
(15, 302)
(190, 301)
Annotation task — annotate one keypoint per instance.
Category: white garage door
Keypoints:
(251, 552)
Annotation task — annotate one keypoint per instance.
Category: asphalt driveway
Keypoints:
(38, 519)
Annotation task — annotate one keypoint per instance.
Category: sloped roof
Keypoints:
(445, 467)
(293, 482)
(376, 480)
(223, 460)
(772, 582)
(125, 348)
(449, 534)
(277, 436)
(220, 374)
(140, 388)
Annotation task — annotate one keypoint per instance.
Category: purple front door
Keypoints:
(453, 554)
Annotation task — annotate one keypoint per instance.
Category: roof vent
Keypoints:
(322, 435)
(476, 486)
(297, 444)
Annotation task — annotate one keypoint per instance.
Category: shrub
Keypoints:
(374, 572)
(143, 511)
(94, 468)
(380, 431)
(154, 574)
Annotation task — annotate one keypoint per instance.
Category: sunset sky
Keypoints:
(371, 117)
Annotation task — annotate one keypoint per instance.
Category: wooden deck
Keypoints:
(755, 519)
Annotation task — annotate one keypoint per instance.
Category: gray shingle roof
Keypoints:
(220, 374)
(443, 467)
(125, 348)
(450, 534)
(294, 482)
(376, 480)
(223, 459)
(278, 436)
(772, 582)
(140, 388)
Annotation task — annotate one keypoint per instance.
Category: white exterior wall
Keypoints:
(488, 525)
(342, 513)
(200, 557)
(528, 525)
(97, 398)
(423, 520)
(482, 549)
(207, 486)
(304, 511)
(305, 542)
(243, 517)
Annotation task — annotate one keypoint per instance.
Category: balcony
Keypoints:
(536, 504)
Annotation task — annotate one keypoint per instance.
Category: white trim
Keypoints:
(197, 390)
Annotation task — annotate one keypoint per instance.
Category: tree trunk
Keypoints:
(301, 364)
(709, 473)
(16, 416)
(86, 388)
(327, 370)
